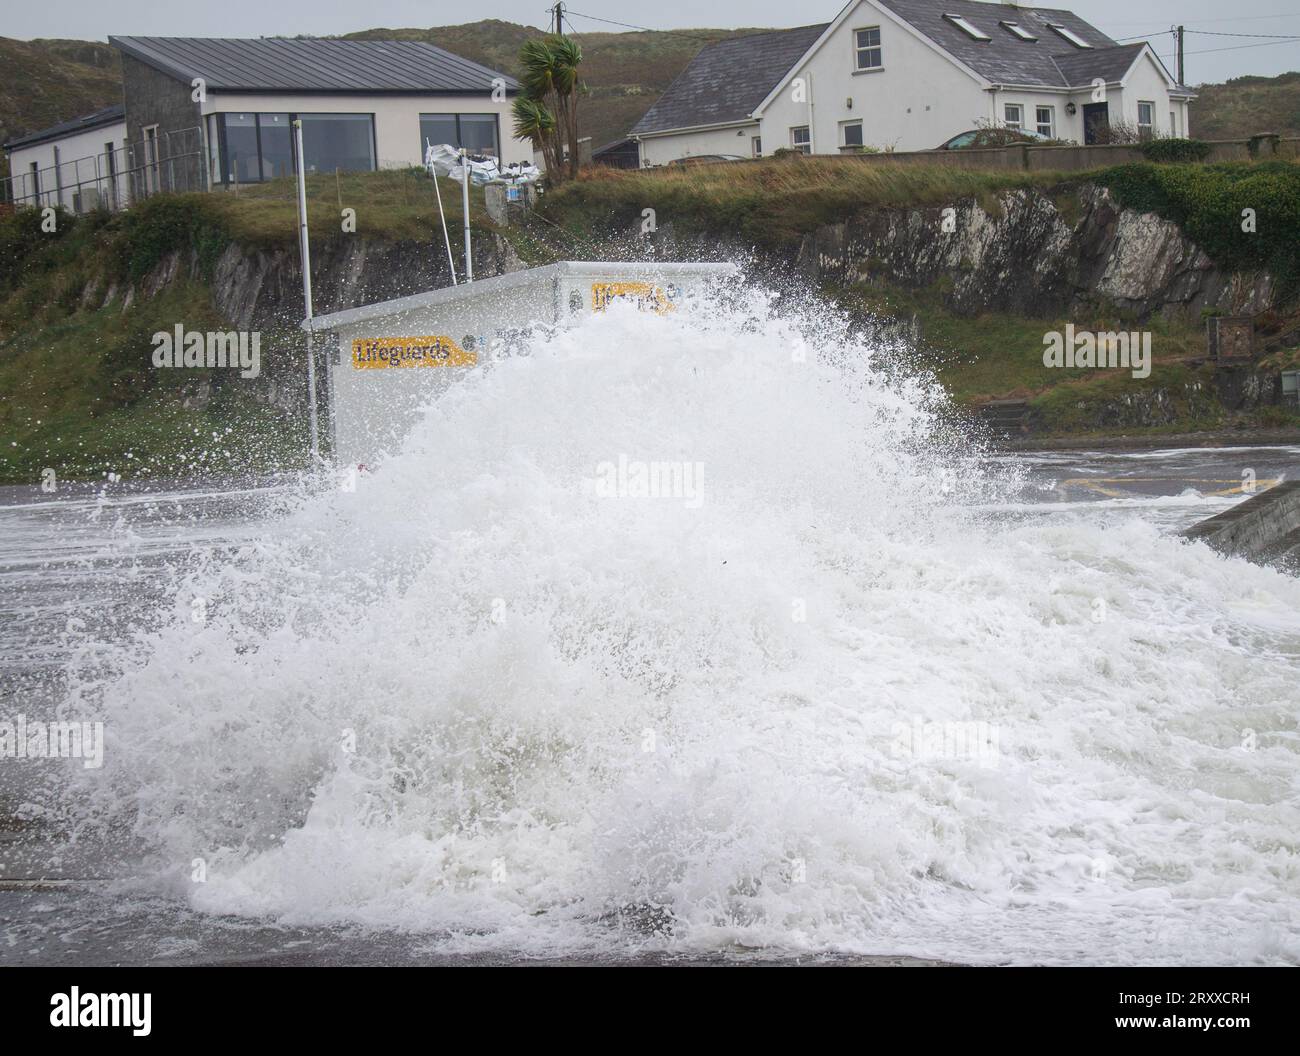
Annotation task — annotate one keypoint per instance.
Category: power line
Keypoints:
(1239, 47)
(644, 29)
(1213, 21)
(1269, 36)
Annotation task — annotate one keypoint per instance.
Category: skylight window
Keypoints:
(1069, 35)
(967, 28)
(1018, 30)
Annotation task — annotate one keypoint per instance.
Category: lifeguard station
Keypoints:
(394, 357)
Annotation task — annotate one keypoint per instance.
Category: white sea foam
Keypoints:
(585, 722)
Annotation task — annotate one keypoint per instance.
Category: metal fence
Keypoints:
(157, 164)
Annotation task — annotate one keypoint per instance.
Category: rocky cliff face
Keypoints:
(1024, 252)
(260, 289)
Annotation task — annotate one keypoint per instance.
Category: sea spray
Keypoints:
(477, 698)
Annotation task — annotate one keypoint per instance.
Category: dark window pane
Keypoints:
(478, 133)
(437, 129)
(277, 145)
(241, 147)
(853, 135)
(338, 141)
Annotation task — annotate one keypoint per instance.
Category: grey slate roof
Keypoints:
(110, 115)
(312, 64)
(1050, 61)
(727, 80)
(1110, 64)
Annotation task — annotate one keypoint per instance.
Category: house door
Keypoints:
(1096, 122)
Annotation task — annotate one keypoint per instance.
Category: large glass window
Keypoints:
(240, 148)
(253, 147)
(275, 136)
(338, 141)
(477, 133)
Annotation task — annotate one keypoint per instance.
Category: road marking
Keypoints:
(1095, 484)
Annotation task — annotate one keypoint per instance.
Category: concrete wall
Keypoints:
(81, 159)
(1255, 526)
(1064, 159)
(396, 118)
(153, 98)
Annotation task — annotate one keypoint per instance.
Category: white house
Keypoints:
(201, 113)
(364, 104)
(75, 165)
(909, 75)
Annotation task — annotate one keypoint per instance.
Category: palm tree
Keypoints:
(533, 121)
(550, 83)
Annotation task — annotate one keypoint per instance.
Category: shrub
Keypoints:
(1166, 150)
(167, 223)
(1209, 203)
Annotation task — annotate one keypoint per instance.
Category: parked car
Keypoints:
(993, 137)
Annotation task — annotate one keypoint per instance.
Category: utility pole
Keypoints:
(1178, 36)
(558, 12)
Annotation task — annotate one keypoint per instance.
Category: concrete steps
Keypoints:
(1006, 417)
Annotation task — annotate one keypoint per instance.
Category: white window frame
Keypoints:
(1019, 123)
(1068, 34)
(806, 146)
(1049, 124)
(844, 127)
(860, 50)
(1018, 31)
(756, 146)
(1173, 123)
(970, 30)
(1148, 126)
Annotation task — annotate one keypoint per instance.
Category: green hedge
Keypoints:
(1175, 150)
(1209, 201)
(168, 222)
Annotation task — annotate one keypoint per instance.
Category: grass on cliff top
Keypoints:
(392, 204)
(773, 200)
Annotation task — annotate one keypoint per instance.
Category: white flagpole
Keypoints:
(305, 247)
(464, 190)
(446, 238)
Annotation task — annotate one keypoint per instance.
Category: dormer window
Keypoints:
(967, 28)
(1017, 30)
(1069, 35)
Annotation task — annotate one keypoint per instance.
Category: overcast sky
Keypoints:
(1211, 54)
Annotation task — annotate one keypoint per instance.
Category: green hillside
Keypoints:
(1247, 105)
(624, 73)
